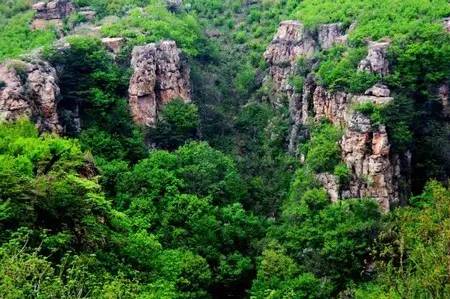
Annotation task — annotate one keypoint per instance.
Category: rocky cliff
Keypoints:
(51, 13)
(29, 89)
(374, 170)
(293, 42)
(160, 75)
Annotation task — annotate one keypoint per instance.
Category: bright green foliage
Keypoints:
(375, 19)
(329, 240)
(373, 111)
(190, 199)
(412, 254)
(280, 277)
(17, 38)
(420, 50)
(154, 23)
(108, 7)
(337, 70)
(322, 151)
(99, 87)
(47, 182)
(342, 172)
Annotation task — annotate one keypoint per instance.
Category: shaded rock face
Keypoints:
(367, 153)
(291, 42)
(331, 34)
(174, 5)
(331, 184)
(160, 75)
(30, 90)
(376, 60)
(332, 106)
(88, 13)
(51, 13)
(375, 171)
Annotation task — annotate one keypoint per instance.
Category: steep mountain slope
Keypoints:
(224, 149)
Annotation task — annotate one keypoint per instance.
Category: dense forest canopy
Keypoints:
(218, 198)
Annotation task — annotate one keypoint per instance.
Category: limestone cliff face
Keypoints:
(376, 172)
(366, 150)
(331, 34)
(29, 89)
(160, 75)
(292, 42)
(51, 13)
(376, 60)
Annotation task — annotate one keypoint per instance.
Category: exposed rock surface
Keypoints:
(291, 42)
(160, 75)
(330, 34)
(332, 106)
(331, 184)
(30, 90)
(376, 60)
(375, 171)
(174, 5)
(366, 151)
(88, 13)
(446, 23)
(113, 44)
(51, 13)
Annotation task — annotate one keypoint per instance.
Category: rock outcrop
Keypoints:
(331, 34)
(291, 42)
(375, 170)
(331, 106)
(88, 13)
(174, 5)
(29, 89)
(113, 44)
(366, 152)
(51, 13)
(376, 60)
(446, 24)
(160, 75)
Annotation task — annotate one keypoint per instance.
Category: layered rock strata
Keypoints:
(160, 75)
(51, 13)
(293, 42)
(375, 171)
(29, 89)
(366, 149)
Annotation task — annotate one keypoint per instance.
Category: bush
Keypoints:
(177, 124)
(322, 151)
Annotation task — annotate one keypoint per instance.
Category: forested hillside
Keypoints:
(224, 149)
